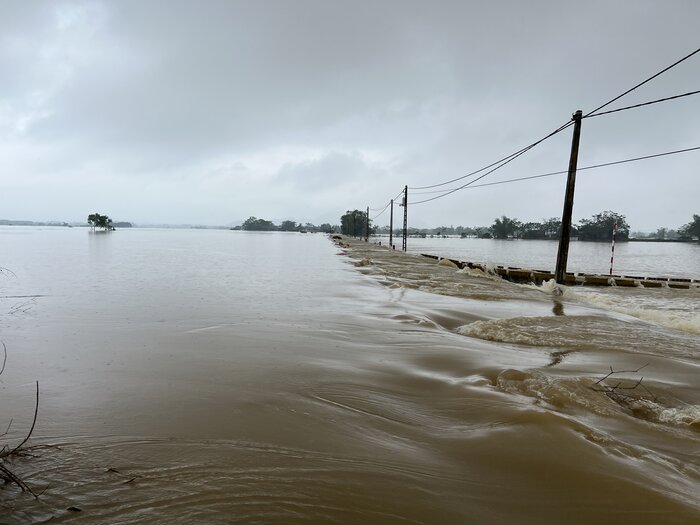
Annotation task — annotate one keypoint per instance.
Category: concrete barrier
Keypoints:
(625, 282)
(518, 274)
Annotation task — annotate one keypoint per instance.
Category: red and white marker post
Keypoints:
(612, 254)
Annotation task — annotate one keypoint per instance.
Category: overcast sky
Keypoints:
(208, 112)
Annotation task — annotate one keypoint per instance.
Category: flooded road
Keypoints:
(195, 376)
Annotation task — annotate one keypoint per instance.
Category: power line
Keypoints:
(505, 160)
(644, 104)
(640, 158)
(383, 210)
(594, 166)
(590, 113)
(512, 158)
(501, 182)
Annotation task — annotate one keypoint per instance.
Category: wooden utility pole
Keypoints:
(405, 216)
(367, 225)
(391, 226)
(563, 252)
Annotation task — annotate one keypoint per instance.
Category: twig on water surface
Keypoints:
(616, 392)
(5, 271)
(22, 307)
(620, 372)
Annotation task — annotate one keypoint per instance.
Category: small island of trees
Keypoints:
(95, 220)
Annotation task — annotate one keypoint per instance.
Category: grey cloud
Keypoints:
(365, 97)
(332, 171)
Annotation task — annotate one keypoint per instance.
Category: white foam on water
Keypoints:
(510, 330)
(490, 267)
(685, 318)
(689, 415)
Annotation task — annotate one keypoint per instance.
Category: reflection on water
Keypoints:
(218, 377)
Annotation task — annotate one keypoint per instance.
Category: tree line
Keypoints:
(263, 225)
(599, 227)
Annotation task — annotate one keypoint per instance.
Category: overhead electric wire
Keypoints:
(383, 210)
(594, 166)
(640, 158)
(591, 113)
(644, 104)
(510, 157)
(506, 160)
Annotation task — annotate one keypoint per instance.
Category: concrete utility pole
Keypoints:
(563, 252)
(367, 225)
(405, 216)
(391, 226)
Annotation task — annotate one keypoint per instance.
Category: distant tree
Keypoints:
(504, 227)
(552, 228)
(254, 224)
(532, 230)
(692, 229)
(326, 228)
(288, 226)
(95, 220)
(600, 227)
(354, 223)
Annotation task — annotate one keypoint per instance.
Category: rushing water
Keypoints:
(646, 259)
(193, 376)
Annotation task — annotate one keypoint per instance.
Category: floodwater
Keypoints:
(197, 376)
(645, 259)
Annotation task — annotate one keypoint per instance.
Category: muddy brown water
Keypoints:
(224, 377)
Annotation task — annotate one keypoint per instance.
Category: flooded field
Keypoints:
(647, 259)
(193, 376)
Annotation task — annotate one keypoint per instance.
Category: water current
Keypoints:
(202, 376)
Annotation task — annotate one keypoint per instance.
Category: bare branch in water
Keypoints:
(29, 434)
(7, 430)
(5, 473)
(4, 360)
(620, 372)
(619, 392)
(4, 271)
